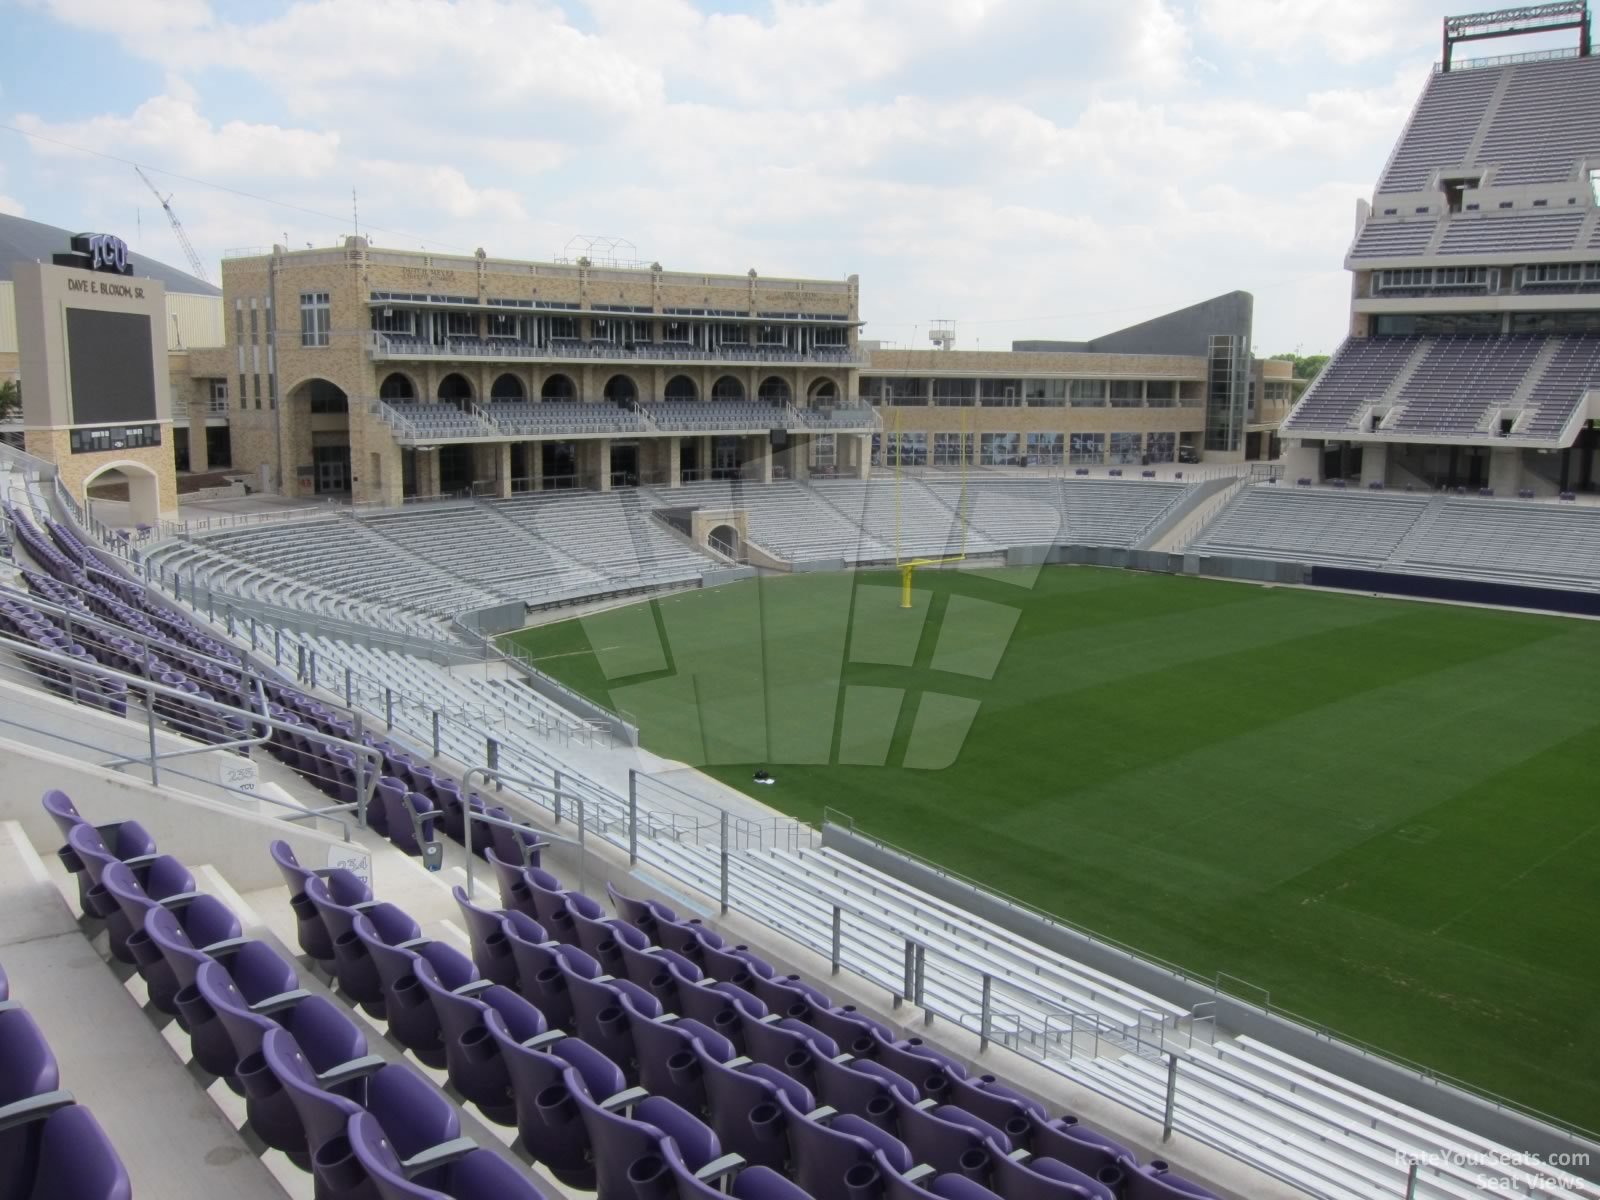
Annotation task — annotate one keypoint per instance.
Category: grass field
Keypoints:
(1382, 812)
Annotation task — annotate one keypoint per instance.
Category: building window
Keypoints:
(1087, 393)
(999, 449)
(906, 449)
(1088, 448)
(1161, 447)
(732, 335)
(954, 393)
(394, 320)
(218, 401)
(1125, 447)
(824, 450)
(316, 318)
(830, 337)
(1127, 393)
(1045, 393)
(948, 450)
(1161, 393)
(1046, 449)
(1000, 393)
(114, 437)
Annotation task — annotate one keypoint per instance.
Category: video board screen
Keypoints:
(109, 355)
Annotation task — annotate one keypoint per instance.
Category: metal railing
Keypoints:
(83, 677)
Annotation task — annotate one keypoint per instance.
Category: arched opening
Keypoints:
(508, 387)
(773, 390)
(724, 539)
(130, 481)
(727, 388)
(559, 387)
(620, 389)
(323, 410)
(681, 387)
(824, 393)
(397, 386)
(326, 399)
(455, 388)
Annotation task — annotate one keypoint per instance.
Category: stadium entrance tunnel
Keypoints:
(143, 489)
(319, 447)
(724, 539)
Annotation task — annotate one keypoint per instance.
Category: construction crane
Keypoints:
(195, 264)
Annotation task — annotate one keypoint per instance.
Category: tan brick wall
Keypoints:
(1009, 364)
(54, 445)
(1043, 420)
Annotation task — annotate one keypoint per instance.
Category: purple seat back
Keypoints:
(76, 1161)
(1155, 1181)
(1044, 1179)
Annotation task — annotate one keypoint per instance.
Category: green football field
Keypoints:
(1383, 813)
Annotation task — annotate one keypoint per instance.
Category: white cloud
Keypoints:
(1347, 30)
(171, 131)
(11, 206)
(1000, 161)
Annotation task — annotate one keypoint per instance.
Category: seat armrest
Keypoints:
(737, 1061)
(624, 1098)
(281, 1001)
(472, 987)
(434, 1156)
(541, 1040)
(919, 1172)
(225, 947)
(926, 1103)
(8, 1005)
(33, 1108)
(356, 1068)
(180, 899)
(1020, 1156)
(822, 1113)
(363, 905)
(412, 943)
(718, 1168)
(139, 860)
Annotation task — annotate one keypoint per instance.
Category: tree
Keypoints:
(10, 399)
(1306, 366)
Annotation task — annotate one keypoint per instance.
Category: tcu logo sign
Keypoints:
(102, 252)
(109, 253)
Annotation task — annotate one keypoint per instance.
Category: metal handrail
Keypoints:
(149, 689)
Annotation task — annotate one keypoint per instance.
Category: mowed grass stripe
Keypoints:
(1382, 812)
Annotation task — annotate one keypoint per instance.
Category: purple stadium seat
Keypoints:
(343, 888)
(411, 1111)
(69, 1158)
(544, 1070)
(353, 966)
(468, 1174)
(410, 1014)
(491, 949)
(204, 919)
(476, 1068)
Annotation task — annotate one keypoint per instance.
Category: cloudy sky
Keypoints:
(1025, 167)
